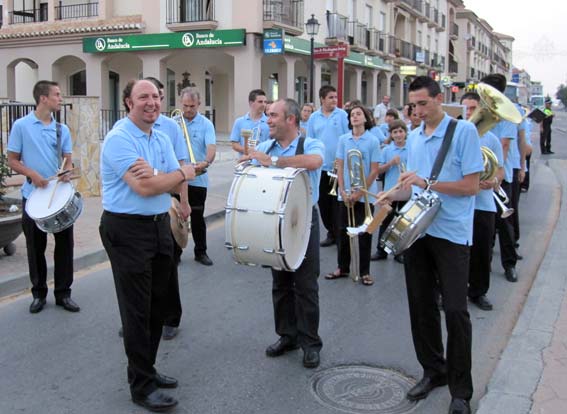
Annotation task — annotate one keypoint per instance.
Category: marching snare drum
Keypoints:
(268, 216)
(411, 222)
(66, 206)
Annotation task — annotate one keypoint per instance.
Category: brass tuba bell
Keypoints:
(494, 106)
(490, 162)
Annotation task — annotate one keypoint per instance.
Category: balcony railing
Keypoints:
(436, 15)
(403, 49)
(455, 29)
(427, 10)
(357, 34)
(377, 41)
(189, 11)
(453, 67)
(288, 12)
(29, 16)
(76, 11)
(416, 5)
(337, 26)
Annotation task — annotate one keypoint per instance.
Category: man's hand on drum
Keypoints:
(264, 159)
(38, 180)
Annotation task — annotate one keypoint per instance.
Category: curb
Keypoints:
(19, 283)
(521, 364)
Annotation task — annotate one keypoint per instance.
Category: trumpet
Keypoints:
(177, 116)
(501, 202)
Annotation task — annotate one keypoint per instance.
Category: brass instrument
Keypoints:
(494, 106)
(506, 211)
(490, 162)
(333, 180)
(251, 138)
(177, 116)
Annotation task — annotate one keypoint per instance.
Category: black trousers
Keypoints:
(514, 203)
(427, 260)
(36, 243)
(526, 183)
(295, 296)
(545, 139)
(364, 240)
(197, 197)
(396, 205)
(481, 253)
(328, 206)
(173, 308)
(140, 253)
(505, 231)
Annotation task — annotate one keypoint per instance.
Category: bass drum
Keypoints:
(411, 223)
(66, 206)
(268, 216)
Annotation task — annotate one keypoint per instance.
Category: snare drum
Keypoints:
(411, 222)
(65, 208)
(268, 216)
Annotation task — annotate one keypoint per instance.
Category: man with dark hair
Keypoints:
(36, 147)
(139, 169)
(327, 124)
(484, 217)
(255, 120)
(295, 294)
(441, 257)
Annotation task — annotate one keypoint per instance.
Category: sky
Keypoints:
(540, 30)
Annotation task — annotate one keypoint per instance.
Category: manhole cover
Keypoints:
(362, 389)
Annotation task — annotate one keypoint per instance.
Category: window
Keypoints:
(368, 16)
(78, 83)
(382, 22)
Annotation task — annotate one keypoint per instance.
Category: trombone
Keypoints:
(177, 116)
(333, 180)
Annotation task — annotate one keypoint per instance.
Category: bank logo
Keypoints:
(188, 40)
(100, 44)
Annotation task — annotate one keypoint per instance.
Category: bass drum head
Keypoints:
(297, 221)
(37, 204)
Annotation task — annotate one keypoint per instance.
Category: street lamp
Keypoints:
(312, 28)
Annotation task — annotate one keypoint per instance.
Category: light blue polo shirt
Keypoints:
(369, 146)
(173, 131)
(454, 221)
(304, 125)
(37, 145)
(509, 130)
(328, 130)
(377, 131)
(122, 146)
(310, 147)
(393, 173)
(245, 122)
(385, 128)
(484, 200)
(202, 133)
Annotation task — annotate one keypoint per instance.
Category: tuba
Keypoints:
(177, 116)
(490, 162)
(494, 106)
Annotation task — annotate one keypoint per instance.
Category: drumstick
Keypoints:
(384, 210)
(56, 184)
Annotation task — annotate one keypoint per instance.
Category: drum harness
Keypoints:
(59, 153)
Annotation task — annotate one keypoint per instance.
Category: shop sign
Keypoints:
(273, 42)
(408, 70)
(161, 41)
(331, 52)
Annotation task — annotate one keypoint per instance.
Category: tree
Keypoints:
(562, 94)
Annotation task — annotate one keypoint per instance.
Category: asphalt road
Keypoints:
(58, 362)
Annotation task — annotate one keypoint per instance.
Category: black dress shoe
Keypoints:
(156, 401)
(37, 305)
(204, 259)
(281, 346)
(121, 332)
(68, 304)
(550, 152)
(424, 387)
(169, 332)
(379, 256)
(311, 359)
(399, 258)
(163, 381)
(511, 275)
(482, 302)
(459, 406)
(329, 241)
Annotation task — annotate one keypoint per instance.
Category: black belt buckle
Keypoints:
(157, 217)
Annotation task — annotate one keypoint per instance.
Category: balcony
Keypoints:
(337, 26)
(402, 50)
(443, 24)
(414, 7)
(357, 36)
(284, 14)
(182, 15)
(471, 43)
(453, 67)
(76, 11)
(454, 32)
(377, 43)
(29, 16)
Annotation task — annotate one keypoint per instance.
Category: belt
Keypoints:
(138, 217)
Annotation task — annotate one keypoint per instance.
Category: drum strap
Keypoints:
(443, 150)
(58, 133)
(298, 151)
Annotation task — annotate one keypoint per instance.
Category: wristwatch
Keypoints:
(274, 160)
(155, 172)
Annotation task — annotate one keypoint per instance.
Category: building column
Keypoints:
(287, 85)
(317, 85)
(51, 11)
(8, 82)
(357, 84)
(153, 65)
(372, 86)
(97, 78)
(388, 89)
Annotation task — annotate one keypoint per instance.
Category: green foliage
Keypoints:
(562, 94)
(4, 172)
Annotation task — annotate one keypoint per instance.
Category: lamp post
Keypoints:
(312, 28)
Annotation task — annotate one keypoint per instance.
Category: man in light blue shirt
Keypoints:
(255, 121)
(295, 294)
(327, 124)
(441, 257)
(203, 144)
(36, 147)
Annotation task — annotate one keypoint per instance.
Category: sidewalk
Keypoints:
(14, 276)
